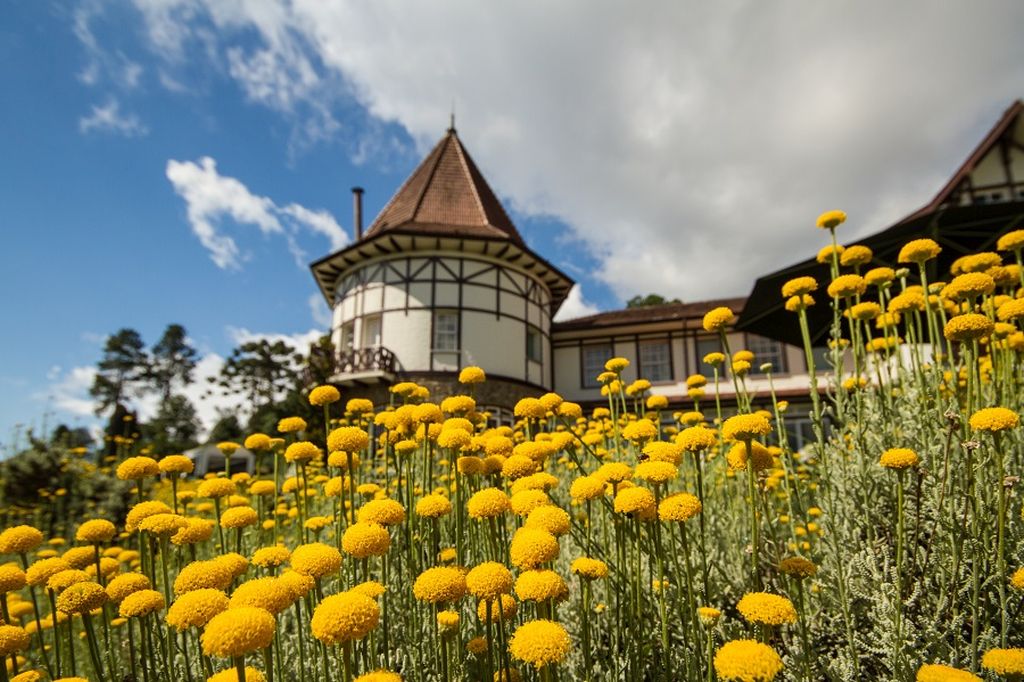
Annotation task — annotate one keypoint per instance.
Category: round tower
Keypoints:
(442, 280)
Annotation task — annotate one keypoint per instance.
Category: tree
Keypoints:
(67, 437)
(175, 426)
(123, 367)
(172, 359)
(649, 299)
(226, 428)
(261, 370)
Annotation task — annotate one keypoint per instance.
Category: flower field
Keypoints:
(411, 541)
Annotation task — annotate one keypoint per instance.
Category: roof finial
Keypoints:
(451, 126)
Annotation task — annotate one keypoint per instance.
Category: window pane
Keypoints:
(766, 350)
(655, 361)
(533, 345)
(446, 331)
(594, 358)
(708, 344)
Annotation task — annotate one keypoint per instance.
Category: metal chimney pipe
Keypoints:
(357, 212)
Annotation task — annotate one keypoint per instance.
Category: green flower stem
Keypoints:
(94, 648)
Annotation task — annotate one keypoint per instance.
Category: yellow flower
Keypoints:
(291, 425)
(878, 277)
(163, 525)
(13, 640)
(141, 603)
(303, 451)
(994, 419)
(41, 571)
(365, 539)
(747, 660)
(231, 675)
(717, 319)
(440, 585)
(316, 559)
(236, 632)
(591, 569)
(899, 458)
(20, 540)
(126, 584)
(269, 594)
(587, 488)
(62, 580)
(799, 286)
(764, 608)
(324, 395)
(472, 375)
(640, 431)
(489, 580)
(502, 609)
(968, 327)
(136, 468)
(655, 472)
(385, 512)
(708, 615)
(216, 488)
(433, 506)
(1017, 579)
(919, 251)
(969, 285)
(1011, 241)
(200, 575)
(549, 518)
(616, 365)
(530, 408)
(846, 286)
(347, 439)
(541, 585)
(746, 427)
(380, 676)
(798, 567)
(82, 597)
(934, 672)
(831, 219)
(825, 254)
(531, 547)
(679, 507)
(12, 578)
(1007, 663)
(197, 530)
(258, 442)
(488, 503)
(636, 502)
(855, 256)
(540, 643)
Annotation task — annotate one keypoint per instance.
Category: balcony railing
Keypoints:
(366, 360)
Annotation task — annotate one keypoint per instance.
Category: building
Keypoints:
(439, 281)
(442, 280)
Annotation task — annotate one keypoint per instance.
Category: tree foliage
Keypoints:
(649, 300)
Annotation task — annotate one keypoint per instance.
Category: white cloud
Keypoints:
(689, 146)
(319, 311)
(575, 306)
(210, 196)
(300, 341)
(69, 392)
(107, 118)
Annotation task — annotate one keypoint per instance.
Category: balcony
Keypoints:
(365, 366)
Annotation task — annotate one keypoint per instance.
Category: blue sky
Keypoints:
(644, 154)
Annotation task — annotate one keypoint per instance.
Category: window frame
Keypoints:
(669, 363)
(589, 380)
(454, 333)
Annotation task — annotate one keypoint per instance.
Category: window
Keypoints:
(655, 361)
(533, 345)
(766, 350)
(705, 345)
(371, 331)
(593, 359)
(446, 330)
(348, 336)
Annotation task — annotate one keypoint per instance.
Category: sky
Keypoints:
(183, 161)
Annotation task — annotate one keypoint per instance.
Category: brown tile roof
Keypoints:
(446, 195)
(667, 312)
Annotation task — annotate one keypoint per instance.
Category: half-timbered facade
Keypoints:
(442, 280)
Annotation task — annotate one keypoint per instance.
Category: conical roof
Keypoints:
(446, 195)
